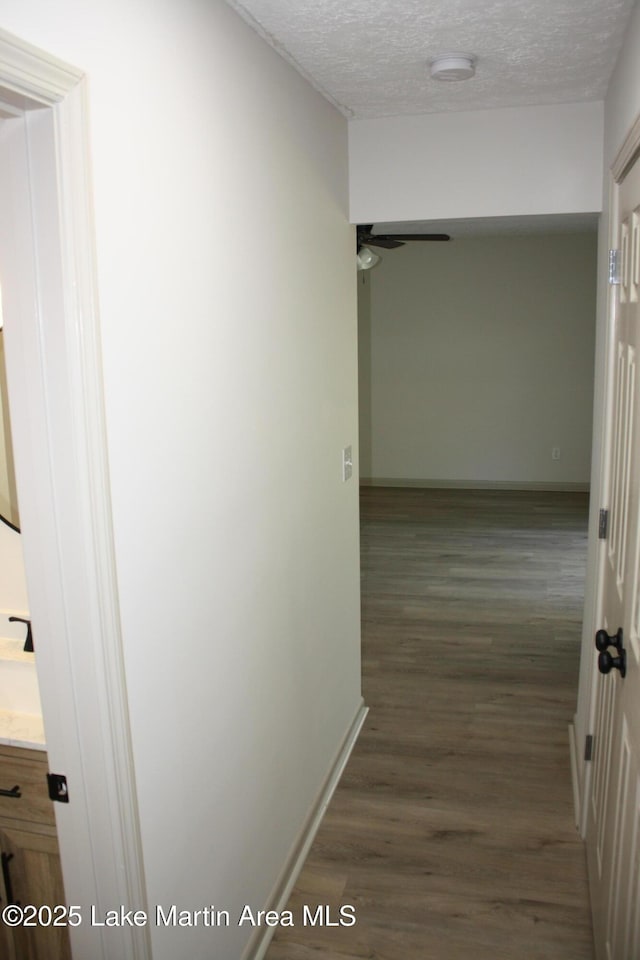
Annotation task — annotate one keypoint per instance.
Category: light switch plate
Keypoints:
(347, 463)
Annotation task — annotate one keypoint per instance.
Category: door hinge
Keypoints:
(614, 267)
(588, 746)
(603, 525)
(57, 783)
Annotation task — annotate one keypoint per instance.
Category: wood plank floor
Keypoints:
(452, 829)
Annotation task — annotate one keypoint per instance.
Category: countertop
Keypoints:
(21, 730)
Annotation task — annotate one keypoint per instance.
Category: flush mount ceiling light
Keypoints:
(453, 66)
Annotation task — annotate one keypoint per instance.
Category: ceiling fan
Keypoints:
(391, 240)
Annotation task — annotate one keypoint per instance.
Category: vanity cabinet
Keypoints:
(29, 852)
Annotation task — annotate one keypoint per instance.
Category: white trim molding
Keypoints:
(34, 75)
(628, 153)
(533, 485)
(52, 334)
(575, 783)
(258, 945)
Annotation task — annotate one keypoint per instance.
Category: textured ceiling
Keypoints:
(370, 57)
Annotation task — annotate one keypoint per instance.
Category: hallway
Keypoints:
(451, 832)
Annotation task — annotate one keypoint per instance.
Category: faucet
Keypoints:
(28, 644)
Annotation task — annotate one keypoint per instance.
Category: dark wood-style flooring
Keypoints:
(451, 831)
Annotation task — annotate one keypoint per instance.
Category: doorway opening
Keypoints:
(55, 391)
(476, 412)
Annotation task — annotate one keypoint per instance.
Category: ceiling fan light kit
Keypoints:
(453, 66)
(367, 258)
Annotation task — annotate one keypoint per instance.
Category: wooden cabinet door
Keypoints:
(34, 877)
(7, 946)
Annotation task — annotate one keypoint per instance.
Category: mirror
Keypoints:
(8, 493)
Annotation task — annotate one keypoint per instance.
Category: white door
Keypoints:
(613, 837)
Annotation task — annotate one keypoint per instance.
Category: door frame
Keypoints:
(54, 370)
(585, 720)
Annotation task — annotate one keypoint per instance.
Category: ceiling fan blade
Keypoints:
(390, 243)
(403, 237)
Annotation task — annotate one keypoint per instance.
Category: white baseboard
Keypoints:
(542, 485)
(575, 781)
(259, 942)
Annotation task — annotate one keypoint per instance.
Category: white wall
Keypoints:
(487, 163)
(477, 360)
(13, 589)
(622, 103)
(364, 371)
(8, 495)
(230, 378)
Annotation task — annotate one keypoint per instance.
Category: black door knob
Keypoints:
(607, 663)
(603, 640)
